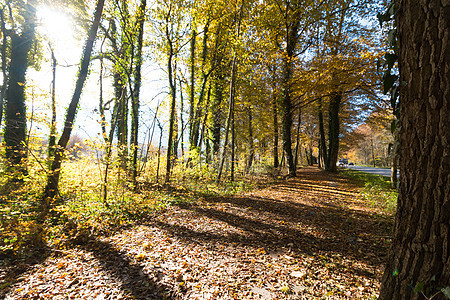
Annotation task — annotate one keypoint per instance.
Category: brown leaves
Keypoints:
(298, 240)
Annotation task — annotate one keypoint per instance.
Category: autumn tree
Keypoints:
(22, 39)
(419, 261)
(51, 188)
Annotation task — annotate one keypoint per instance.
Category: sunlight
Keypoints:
(56, 25)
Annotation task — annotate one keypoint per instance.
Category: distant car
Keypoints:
(351, 164)
(345, 161)
(341, 163)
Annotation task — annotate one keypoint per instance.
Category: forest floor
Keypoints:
(309, 237)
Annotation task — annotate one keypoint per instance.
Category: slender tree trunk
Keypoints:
(419, 258)
(192, 91)
(232, 96)
(181, 119)
(52, 138)
(251, 144)
(172, 106)
(297, 142)
(51, 188)
(323, 144)
(16, 119)
(217, 113)
(230, 116)
(276, 162)
(233, 141)
(136, 90)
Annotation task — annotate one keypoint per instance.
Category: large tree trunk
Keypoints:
(51, 189)
(4, 62)
(16, 119)
(333, 132)
(420, 250)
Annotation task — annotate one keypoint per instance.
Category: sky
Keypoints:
(67, 43)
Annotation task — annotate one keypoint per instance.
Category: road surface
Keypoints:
(377, 171)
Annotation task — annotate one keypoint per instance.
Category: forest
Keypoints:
(198, 149)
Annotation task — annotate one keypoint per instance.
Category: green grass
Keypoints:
(376, 190)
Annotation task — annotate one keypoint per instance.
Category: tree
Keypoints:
(51, 188)
(15, 117)
(419, 257)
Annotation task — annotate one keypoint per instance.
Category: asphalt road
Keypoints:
(377, 171)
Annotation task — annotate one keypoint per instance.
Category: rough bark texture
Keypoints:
(4, 59)
(15, 118)
(420, 250)
(333, 132)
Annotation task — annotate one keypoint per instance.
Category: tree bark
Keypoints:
(420, 250)
(15, 118)
(276, 162)
(297, 137)
(136, 90)
(323, 144)
(52, 138)
(4, 62)
(51, 188)
(333, 132)
(172, 105)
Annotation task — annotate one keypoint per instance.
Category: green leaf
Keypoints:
(446, 291)
(418, 288)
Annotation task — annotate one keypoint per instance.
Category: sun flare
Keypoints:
(55, 25)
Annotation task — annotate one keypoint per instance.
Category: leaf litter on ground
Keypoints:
(310, 237)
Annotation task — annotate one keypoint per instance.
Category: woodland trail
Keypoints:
(310, 237)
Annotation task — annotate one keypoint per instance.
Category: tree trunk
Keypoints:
(51, 188)
(15, 118)
(136, 90)
(172, 106)
(333, 132)
(287, 72)
(217, 112)
(251, 144)
(276, 162)
(322, 143)
(4, 62)
(52, 138)
(192, 91)
(419, 258)
(297, 142)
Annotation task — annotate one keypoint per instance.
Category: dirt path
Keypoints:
(311, 237)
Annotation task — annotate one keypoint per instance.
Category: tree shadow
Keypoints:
(325, 222)
(134, 278)
(12, 268)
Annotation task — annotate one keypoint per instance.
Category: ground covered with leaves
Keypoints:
(310, 237)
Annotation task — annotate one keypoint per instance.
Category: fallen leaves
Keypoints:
(299, 240)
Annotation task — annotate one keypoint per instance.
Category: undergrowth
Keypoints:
(81, 212)
(377, 190)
